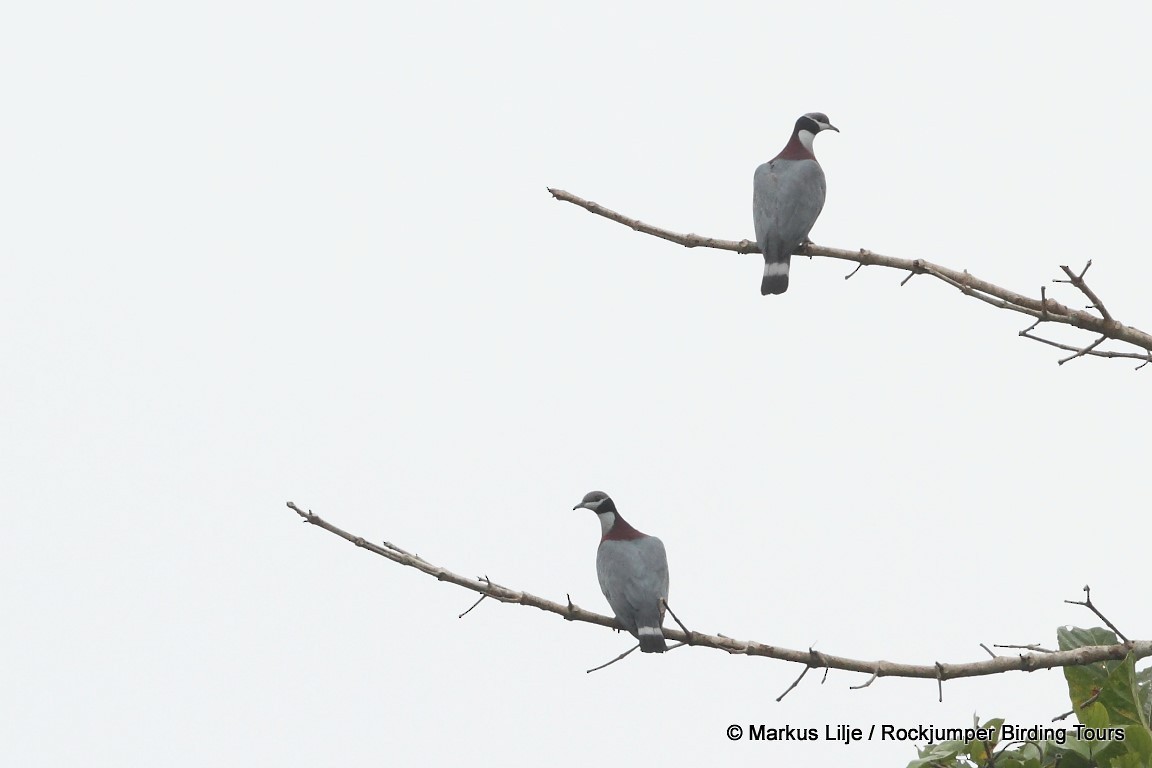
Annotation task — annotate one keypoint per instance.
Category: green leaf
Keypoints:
(1075, 637)
(1087, 750)
(1121, 695)
(1118, 702)
(994, 724)
(1072, 759)
(1144, 687)
(1085, 682)
(937, 754)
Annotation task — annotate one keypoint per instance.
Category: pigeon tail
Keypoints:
(775, 276)
(651, 640)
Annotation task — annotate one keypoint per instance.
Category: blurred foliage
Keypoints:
(1104, 695)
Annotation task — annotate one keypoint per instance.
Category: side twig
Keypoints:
(610, 663)
(1087, 603)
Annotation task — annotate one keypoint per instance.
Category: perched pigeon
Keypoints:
(633, 572)
(787, 195)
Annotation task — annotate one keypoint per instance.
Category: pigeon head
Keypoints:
(597, 501)
(814, 122)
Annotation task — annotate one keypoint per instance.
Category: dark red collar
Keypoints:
(794, 150)
(621, 531)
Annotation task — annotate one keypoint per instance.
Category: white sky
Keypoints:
(259, 252)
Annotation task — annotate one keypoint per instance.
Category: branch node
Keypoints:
(916, 269)
(395, 548)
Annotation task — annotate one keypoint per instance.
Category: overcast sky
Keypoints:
(260, 252)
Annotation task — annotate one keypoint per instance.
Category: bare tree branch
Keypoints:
(1043, 309)
(938, 671)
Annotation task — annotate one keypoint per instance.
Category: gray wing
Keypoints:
(787, 197)
(634, 576)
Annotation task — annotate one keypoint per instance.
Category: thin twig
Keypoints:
(675, 618)
(1087, 603)
(1087, 702)
(1083, 351)
(817, 660)
(610, 663)
(1035, 647)
(395, 548)
(473, 606)
(869, 681)
(795, 683)
(1145, 356)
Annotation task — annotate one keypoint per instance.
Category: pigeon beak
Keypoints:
(579, 506)
(830, 127)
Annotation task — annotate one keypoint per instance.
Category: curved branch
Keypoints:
(1026, 662)
(1043, 309)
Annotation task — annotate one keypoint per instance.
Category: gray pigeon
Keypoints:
(633, 572)
(787, 195)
